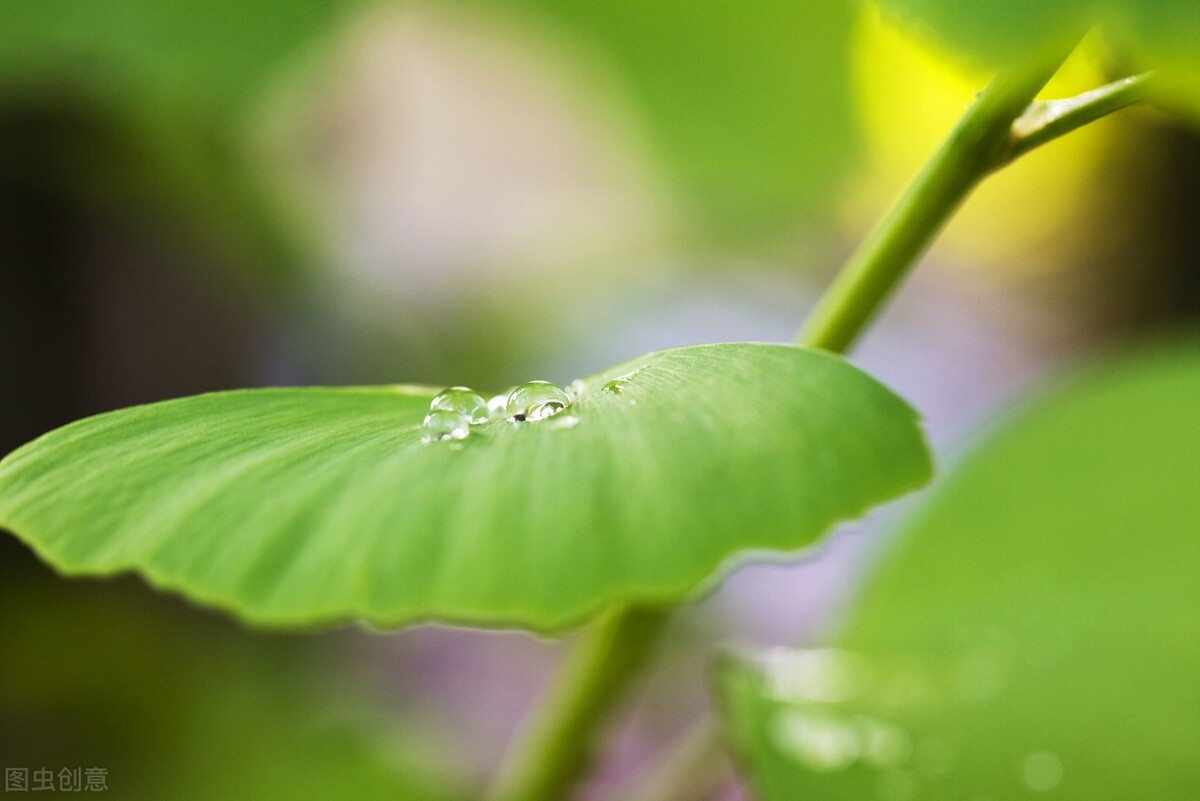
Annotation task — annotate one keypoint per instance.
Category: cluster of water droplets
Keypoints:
(454, 411)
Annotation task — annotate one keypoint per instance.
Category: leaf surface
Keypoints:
(1036, 629)
(303, 506)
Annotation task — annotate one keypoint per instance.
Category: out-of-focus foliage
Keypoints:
(1156, 34)
(311, 505)
(1036, 628)
(178, 705)
(138, 103)
(750, 102)
(749, 106)
(1036, 211)
(203, 58)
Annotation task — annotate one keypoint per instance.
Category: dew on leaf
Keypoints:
(536, 400)
(464, 401)
(576, 389)
(497, 405)
(565, 421)
(442, 424)
(616, 386)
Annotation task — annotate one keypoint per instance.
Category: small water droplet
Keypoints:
(442, 424)
(565, 421)
(575, 389)
(821, 742)
(619, 384)
(1042, 771)
(464, 401)
(536, 400)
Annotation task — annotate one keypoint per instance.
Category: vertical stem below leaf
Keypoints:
(557, 748)
(552, 754)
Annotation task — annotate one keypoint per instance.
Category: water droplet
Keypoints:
(565, 421)
(821, 742)
(464, 401)
(1042, 771)
(497, 405)
(618, 385)
(536, 400)
(884, 745)
(442, 424)
(897, 785)
(575, 389)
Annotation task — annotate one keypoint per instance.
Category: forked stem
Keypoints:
(1003, 124)
(981, 140)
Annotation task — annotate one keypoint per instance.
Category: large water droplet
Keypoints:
(1042, 771)
(536, 400)
(464, 401)
(442, 424)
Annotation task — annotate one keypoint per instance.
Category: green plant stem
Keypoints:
(558, 745)
(976, 146)
(1047, 120)
(1003, 124)
(984, 139)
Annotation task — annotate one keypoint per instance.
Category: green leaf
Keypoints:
(301, 506)
(1036, 628)
(1162, 35)
(994, 32)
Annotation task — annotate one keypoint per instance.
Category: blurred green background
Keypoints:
(200, 196)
